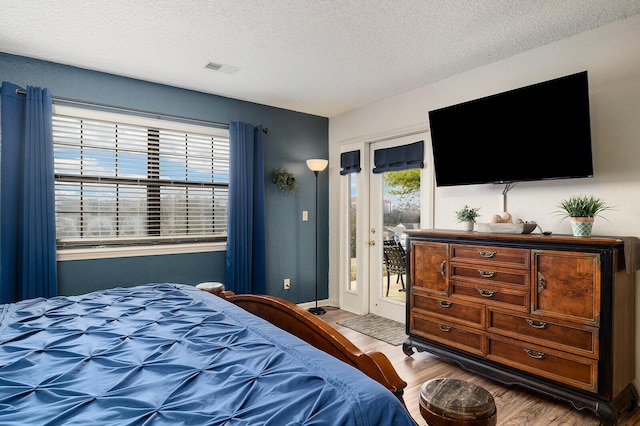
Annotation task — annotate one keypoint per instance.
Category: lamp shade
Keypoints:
(317, 164)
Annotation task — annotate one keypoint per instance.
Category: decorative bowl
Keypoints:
(507, 228)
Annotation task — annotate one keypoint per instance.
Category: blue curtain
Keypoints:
(28, 229)
(246, 267)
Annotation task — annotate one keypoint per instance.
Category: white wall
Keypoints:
(611, 56)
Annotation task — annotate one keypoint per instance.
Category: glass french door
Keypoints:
(375, 208)
(395, 204)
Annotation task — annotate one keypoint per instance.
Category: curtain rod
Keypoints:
(265, 130)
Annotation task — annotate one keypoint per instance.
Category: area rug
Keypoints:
(377, 327)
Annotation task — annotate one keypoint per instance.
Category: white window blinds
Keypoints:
(131, 180)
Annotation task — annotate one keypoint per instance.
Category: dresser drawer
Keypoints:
(488, 274)
(448, 333)
(579, 340)
(555, 365)
(466, 313)
(493, 296)
(490, 255)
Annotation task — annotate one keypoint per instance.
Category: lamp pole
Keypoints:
(316, 166)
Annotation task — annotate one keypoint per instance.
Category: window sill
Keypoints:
(132, 251)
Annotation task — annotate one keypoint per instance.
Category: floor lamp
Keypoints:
(317, 165)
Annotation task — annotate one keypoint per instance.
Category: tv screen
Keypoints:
(536, 132)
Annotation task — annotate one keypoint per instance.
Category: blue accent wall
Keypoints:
(293, 138)
(83, 276)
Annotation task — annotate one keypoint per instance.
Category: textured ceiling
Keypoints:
(313, 56)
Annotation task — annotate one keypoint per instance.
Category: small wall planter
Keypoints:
(285, 180)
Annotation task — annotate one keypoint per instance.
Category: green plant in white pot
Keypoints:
(467, 216)
(582, 210)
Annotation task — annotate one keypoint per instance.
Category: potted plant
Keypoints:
(285, 180)
(467, 215)
(582, 211)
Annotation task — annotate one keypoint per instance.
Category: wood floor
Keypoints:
(515, 406)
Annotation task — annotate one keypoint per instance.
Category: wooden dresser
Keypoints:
(554, 314)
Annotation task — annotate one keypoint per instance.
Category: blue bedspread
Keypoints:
(172, 354)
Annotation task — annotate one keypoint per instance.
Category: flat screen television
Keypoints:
(535, 132)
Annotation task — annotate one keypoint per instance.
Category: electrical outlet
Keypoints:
(287, 283)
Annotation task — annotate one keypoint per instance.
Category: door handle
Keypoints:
(542, 282)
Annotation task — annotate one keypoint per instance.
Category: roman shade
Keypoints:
(350, 162)
(403, 157)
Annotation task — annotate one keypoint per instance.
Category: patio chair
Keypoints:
(395, 260)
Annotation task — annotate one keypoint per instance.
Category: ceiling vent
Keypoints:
(213, 66)
(227, 69)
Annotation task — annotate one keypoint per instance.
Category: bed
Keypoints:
(172, 354)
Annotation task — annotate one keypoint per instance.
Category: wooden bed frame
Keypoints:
(318, 333)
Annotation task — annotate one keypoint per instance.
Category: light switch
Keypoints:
(305, 215)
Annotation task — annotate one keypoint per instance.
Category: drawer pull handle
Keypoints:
(444, 304)
(487, 253)
(486, 293)
(443, 269)
(534, 354)
(537, 324)
(487, 274)
(443, 327)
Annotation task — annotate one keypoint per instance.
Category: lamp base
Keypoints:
(317, 311)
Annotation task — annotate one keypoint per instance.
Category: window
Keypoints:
(129, 180)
